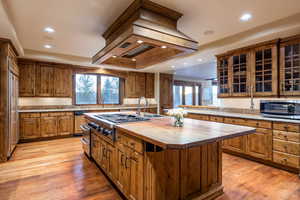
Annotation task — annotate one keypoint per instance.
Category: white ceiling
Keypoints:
(80, 23)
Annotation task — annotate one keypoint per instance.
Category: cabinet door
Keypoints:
(27, 79)
(140, 84)
(290, 68)
(136, 176)
(264, 71)
(150, 85)
(111, 161)
(62, 82)
(13, 113)
(30, 128)
(240, 71)
(259, 144)
(65, 125)
(237, 144)
(223, 77)
(130, 91)
(123, 174)
(79, 120)
(166, 91)
(48, 126)
(95, 147)
(44, 81)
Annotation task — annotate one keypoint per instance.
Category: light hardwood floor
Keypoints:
(58, 170)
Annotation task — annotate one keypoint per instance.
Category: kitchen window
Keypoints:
(186, 93)
(96, 89)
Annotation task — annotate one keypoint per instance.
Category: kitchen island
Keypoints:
(153, 160)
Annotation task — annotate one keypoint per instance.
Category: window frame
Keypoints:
(189, 84)
(99, 100)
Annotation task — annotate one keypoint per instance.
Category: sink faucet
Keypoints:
(140, 105)
(252, 100)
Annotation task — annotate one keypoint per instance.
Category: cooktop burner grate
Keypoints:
(121, 118)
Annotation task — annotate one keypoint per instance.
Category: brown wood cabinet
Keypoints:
(9, 72)
(30, 125)
(65, 124)
(290, 66)
(251, 70)
(259, 144)
(150, 85)
(62, 82)
(48, 126)
(43, 125)
(166, 91)
(135, 85)
(273, 142)
(41, 79)
(44, 80)
(27, 79)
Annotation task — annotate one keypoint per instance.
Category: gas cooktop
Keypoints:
(121, 118)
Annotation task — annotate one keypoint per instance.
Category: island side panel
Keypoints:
(190, 173)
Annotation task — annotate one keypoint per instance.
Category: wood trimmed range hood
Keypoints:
(145, 34)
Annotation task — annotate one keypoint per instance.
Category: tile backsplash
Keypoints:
(44, 101)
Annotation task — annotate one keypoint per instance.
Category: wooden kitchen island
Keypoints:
(152, 160)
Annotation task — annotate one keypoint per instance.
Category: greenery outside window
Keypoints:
(96, 89)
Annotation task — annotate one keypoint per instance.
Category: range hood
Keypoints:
(145, 34)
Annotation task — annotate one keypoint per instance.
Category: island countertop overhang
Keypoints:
(161, 132)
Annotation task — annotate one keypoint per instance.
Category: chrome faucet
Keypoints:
(252, 100)
(139, 108)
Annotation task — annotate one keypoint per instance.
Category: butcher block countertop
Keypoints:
(161, 132)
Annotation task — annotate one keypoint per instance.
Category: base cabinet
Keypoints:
(44, 125)
(237, 144)
(29, 127)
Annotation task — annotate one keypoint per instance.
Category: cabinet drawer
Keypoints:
(51, 114)
(286, 147)
(198, 116)
(259, 123)
(216, 119)
(30, 115)
(131, 142)
(235, 121)
(286, 159)
(286, 127)
(287, 136)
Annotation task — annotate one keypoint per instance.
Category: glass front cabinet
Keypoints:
(249, 71)
(223, 77)
(290, 67)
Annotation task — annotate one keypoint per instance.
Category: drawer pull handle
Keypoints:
(132, 144)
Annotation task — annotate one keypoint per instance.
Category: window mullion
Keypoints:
(99, 97)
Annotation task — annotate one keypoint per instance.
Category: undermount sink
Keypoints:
(152, 115)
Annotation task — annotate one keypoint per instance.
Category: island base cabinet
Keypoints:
(184, 174)
(237, 144)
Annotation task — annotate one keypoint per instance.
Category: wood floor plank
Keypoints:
(58, 170)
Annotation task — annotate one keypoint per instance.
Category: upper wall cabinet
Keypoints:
(249, 71)
(44, 80)
(290, 66)
(139, 84)
(27, 79)
(223, 76)
(240, 65)
(264, 71)
(62, 82)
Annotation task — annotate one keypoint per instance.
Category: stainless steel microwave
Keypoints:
(289, 109)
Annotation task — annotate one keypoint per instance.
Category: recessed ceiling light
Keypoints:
(208, 32)
(49, 30)
(173, 66)
(246, 17)
(200, 59)
(133, 59)
(48, 46)
(163, 47)
(140, 41)
(114, 56)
